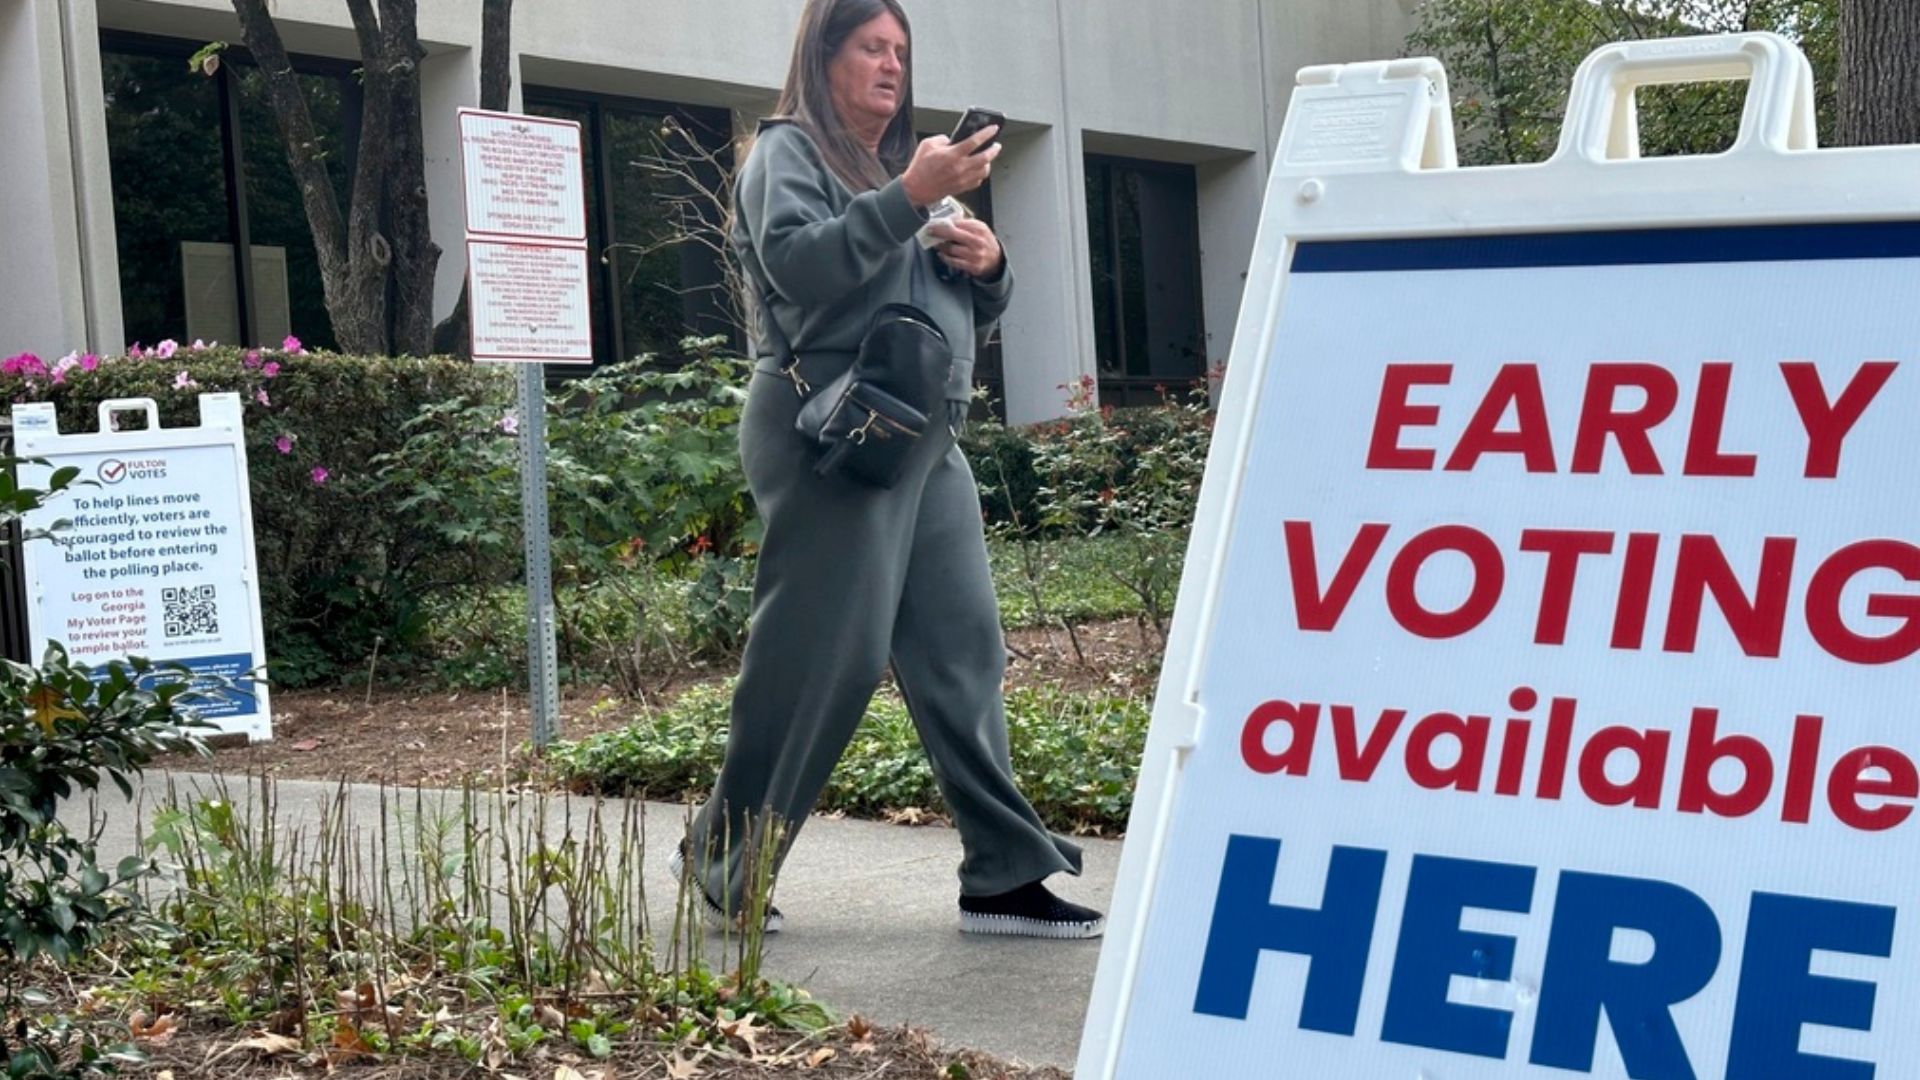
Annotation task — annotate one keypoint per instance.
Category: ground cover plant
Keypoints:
(1074, 754)
(433, 933)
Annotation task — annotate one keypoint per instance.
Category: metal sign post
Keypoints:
(542, 660)
(527, 271)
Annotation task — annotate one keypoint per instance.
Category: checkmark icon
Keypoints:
(113, 471)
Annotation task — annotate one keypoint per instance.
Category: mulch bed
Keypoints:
(408, 738)
(895, 1054)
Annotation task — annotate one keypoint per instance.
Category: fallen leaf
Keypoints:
(682, 1068)
(820, 1057)
(288, 1021)
(858, 1028)
(158, 1030)
(305, 745)
(747, 1032)
(567, 1072)
(267, 1043)
(270, 1044)
(164, 1074)
(348, 1038)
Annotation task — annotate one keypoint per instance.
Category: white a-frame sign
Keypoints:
(1543, 698)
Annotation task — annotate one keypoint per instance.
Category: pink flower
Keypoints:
(183, 381)
(261, 397)
(320, 474)
(253, 358)
(272, 369)
(166, 349)
(24, 364)
(200, 346)
(89, 362)
(284, 444)
(509, 424)
(292, 345)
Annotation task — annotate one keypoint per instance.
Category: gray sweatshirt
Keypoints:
(826, 259)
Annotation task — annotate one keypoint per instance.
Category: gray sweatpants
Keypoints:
(850, 577)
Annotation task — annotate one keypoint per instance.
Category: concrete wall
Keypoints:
(58, 282)
(1201, 81)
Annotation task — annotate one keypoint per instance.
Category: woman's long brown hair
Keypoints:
(807, 99)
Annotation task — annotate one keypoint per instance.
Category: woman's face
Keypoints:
(869, 73)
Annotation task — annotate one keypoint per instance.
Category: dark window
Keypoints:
(1143, 231)
(655, 218)
(199, 171)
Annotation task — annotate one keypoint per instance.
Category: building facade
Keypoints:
(1137, 148)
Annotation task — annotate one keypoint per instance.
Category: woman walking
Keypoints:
(853, 577)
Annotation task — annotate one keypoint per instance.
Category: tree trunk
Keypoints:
(452, 337)
(415, 255)
(1879, 72)
(317, 197)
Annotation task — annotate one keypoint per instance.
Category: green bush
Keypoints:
(338, 566)
(1126, 478)
(652, 521)
(1052, 478)
(1079, 579)
(1075, 755)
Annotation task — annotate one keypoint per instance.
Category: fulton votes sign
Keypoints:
(156, 559)
(1545, 695)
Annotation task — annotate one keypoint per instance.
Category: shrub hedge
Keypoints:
(338, 567)
(384, 490)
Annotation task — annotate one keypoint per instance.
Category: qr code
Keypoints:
(189, 611)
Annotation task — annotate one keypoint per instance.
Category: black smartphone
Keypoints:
(975, 119)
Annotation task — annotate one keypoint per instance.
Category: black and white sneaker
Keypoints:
(717, 917)
(1029, 911)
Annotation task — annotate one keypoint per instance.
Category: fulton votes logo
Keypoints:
(114, 470)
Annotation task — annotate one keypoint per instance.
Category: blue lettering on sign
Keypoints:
(1433, 949)
(1582, 980)
(1246, 923)
(1778, 993)
(1583, 985)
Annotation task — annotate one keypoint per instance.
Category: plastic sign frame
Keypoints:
(221, 433)
(1366, 161)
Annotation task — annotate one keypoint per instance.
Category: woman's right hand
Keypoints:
(941, 167)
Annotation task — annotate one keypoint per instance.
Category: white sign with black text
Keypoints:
(157, 558)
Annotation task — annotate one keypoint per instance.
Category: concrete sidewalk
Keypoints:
(871, 925)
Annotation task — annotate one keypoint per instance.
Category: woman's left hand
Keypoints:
(970, 246)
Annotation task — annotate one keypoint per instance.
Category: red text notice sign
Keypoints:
(530, 302)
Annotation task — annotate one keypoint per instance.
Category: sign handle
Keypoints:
(120, 405)
(1603, 117)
